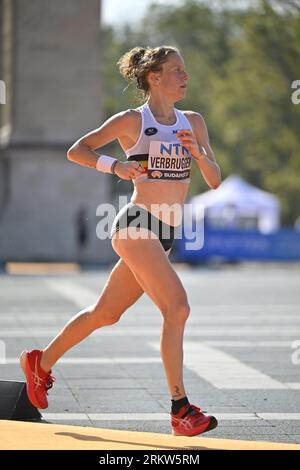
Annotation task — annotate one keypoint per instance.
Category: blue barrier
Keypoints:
(283, 245)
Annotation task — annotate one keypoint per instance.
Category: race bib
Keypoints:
(168, 161)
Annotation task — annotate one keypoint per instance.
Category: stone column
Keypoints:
(56, 98)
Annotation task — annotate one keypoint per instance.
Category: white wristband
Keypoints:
(104, 163)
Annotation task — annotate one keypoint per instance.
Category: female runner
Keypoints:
(160, 143)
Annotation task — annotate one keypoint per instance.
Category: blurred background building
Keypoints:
(54, 96)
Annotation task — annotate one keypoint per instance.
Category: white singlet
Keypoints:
(159, 151)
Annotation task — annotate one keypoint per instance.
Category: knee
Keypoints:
(177, 313)
(103, 316)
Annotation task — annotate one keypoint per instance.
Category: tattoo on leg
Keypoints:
(177, 392)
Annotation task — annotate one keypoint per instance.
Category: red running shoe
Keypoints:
(38, 381)
(190, 421)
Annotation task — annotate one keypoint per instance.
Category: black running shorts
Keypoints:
(132, 215)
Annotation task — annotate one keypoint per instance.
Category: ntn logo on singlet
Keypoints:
(167, 148)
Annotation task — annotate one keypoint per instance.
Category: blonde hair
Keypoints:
(135, 64)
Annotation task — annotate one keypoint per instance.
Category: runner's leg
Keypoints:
(120, 292)
(150, 265)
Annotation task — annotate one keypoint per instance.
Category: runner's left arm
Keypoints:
(197, 141)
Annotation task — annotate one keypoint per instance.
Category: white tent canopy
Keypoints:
(236, 200)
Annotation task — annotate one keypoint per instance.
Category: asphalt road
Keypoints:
(242, 351)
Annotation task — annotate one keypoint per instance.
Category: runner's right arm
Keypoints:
(83, 152)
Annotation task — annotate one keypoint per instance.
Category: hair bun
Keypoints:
(137, 54)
